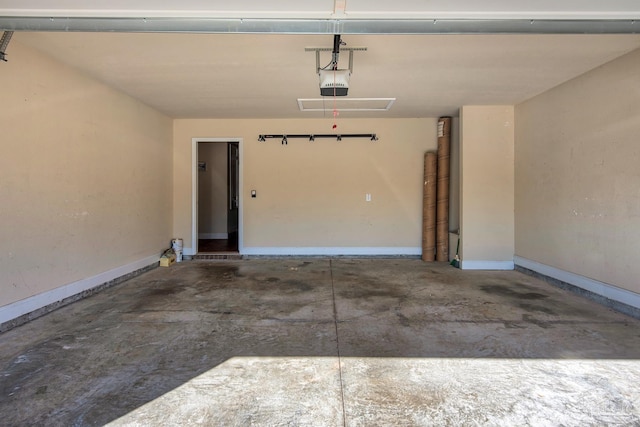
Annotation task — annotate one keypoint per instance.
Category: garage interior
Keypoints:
(327, 317)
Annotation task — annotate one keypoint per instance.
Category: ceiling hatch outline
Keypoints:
(345, 104)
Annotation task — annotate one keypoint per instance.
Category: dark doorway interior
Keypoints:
(218, 197)
(218, 245)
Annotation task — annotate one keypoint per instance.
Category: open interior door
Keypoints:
(233, 158)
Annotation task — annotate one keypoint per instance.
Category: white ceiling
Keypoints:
(263, 75)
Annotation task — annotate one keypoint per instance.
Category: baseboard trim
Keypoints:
(603, 293)
(486, 265)
(332, 251)
(22, 311)
(216, 236)
(188, 251)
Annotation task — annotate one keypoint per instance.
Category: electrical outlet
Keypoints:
(367, 197)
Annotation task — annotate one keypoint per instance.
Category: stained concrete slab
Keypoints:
(324, 342)
(409, 310)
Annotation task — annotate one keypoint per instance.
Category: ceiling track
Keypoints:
(322, 26)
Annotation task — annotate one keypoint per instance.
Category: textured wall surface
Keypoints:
(577, 176)
(85, 177)
(312, 194)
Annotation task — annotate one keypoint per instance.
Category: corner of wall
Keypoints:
(487, 186)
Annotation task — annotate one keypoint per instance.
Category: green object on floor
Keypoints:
(456, 260)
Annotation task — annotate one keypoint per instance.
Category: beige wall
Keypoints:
(487, 185)
(312, 194)
(212, 189)
(85, 177)
(578, 175)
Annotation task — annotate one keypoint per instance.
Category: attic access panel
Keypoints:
(345, 104)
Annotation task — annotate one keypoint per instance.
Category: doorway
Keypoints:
(218, 196)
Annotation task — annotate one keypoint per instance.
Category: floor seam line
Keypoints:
(335, 318)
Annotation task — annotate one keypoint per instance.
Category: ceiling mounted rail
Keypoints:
(317, 50)
(284, 138)
(321, 26)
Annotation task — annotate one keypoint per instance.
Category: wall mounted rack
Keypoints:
(312, 137)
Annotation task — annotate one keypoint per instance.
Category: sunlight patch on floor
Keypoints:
(413, 391)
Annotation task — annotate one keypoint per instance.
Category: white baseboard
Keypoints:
(213, 236)
(28, 305)
(188, 251)
(331, 251)
(486, 265)
(599, 288)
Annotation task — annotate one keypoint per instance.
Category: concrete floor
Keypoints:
(324, 342)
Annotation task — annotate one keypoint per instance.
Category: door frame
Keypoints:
(194, 191)
(233, 176)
